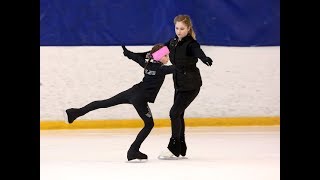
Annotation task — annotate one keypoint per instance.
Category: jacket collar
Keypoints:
(187, 37)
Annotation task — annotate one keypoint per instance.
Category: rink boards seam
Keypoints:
(137, 123)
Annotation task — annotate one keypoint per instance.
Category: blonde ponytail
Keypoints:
(192, 33)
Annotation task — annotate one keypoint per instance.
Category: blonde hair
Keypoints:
(187, 21)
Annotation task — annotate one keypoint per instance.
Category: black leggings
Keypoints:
(130, 96)
(182, 99)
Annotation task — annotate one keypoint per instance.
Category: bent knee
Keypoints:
(149, 124)
(173, 115)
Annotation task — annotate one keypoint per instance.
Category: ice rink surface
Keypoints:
(214, 153)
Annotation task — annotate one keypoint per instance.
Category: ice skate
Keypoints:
(70, 115)
(175, 146)
(183, 147)
(167, 155)
(173, 152)
(136, 157)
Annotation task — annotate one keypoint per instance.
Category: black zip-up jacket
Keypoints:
(184, 55)
(154, 75)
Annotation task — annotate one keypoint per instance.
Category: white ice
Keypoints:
(214, 153)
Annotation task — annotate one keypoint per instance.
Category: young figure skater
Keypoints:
(184, 54)
(138, 95)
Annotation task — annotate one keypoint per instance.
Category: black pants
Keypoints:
(182, 99)
(130, 96)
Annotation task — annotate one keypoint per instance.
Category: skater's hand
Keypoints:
(125, 51)
(207, 61)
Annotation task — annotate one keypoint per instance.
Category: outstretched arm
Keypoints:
(137, 57)
(145, 55)
(197, 52)
(167, 69)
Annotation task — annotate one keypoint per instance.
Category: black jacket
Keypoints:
(184, 55)
(154, 75)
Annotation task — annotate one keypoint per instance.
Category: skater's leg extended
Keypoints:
(121, 98)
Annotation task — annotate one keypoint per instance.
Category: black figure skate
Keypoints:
(183, 146)
(70, 115)
(174, 148)
(136, 156)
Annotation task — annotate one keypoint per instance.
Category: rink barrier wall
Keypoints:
(243, 82)
(137, 123)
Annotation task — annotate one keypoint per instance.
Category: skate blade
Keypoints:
(171, 157)
(167, 155)
(183, 157)
(137, 161)
(65, 117)
(168, 158)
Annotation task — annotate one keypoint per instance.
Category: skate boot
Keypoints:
(70, 115)
(174, 146)
(183, 146)
(136, 156)
(174, 150)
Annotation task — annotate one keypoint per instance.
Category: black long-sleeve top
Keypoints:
(192, 49)
(184, 55)
(154, 75)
